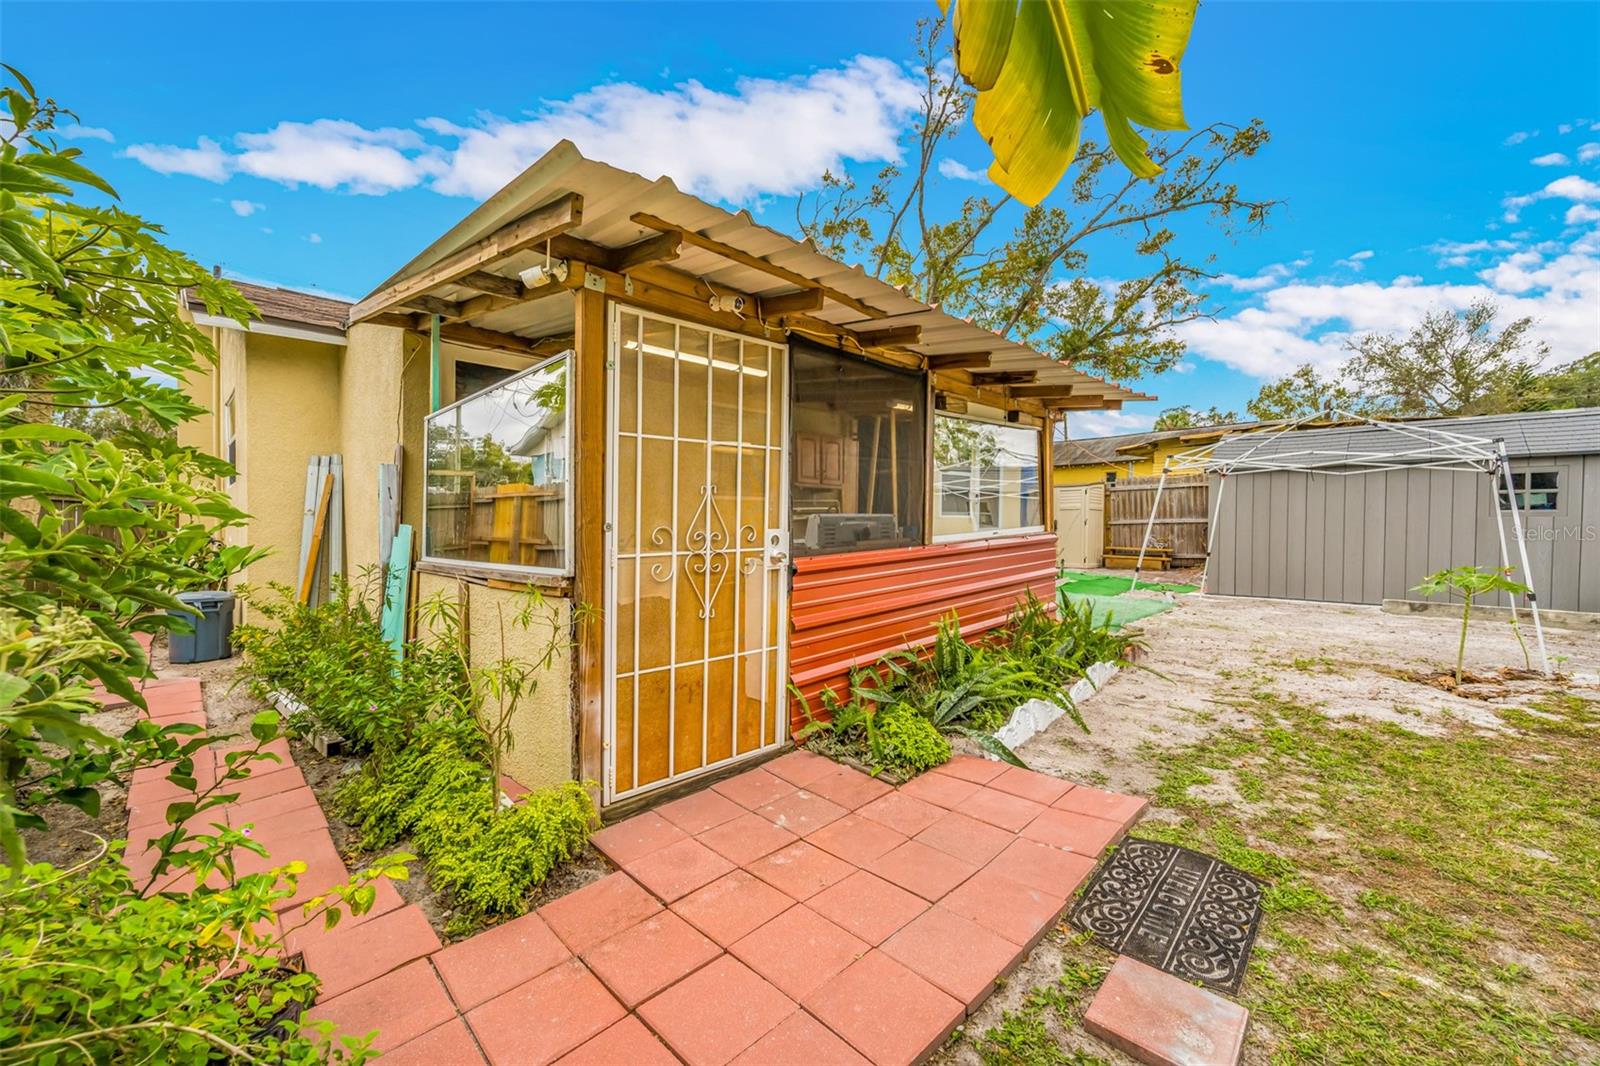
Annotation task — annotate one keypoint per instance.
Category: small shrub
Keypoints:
(908, 743)
(490, 861)
(441, 793)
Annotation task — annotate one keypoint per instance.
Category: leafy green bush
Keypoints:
(908, 743)
(440, 792)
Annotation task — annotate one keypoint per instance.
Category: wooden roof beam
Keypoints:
(494, 284)
(754, 262)
(1045, 390)
(536, 227)
(1083, 403)
(894, 337)
(648, 252)
(433, 305)
(789, 303)
(1004, 377)
(958, 361)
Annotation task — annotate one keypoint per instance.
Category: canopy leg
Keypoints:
(1522, 552)
(1211, 531)
(1148, 526)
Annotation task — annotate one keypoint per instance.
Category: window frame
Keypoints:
(1517, 497)
(919, 509)
(569, 501)
(937, 480)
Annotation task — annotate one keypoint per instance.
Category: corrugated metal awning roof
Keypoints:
(1528, 433)
(610, 199)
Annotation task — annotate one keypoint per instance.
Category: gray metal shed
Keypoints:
(1371, 536)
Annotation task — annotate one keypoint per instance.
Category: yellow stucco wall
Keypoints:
(1141, 466)
(541, 726)
(369, 427)
(287, 403)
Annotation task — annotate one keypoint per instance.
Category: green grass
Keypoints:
(1407, 876)
(1430, 899)
(1030, 1035)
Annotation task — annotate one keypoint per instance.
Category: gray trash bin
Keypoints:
(213, 628)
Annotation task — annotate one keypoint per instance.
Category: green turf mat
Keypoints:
(1122, 609)
(1079, 583)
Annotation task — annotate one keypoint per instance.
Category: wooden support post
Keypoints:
(590, 439)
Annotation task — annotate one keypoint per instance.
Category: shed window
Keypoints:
(859, 454)
(988, 478)
(497, 475)
(1536, 490)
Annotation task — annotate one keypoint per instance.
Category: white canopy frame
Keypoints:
(1407, 447)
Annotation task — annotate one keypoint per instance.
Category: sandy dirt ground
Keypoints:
(1208, 648)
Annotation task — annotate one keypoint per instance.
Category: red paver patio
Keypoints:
(1164, 1020)
(798, 913)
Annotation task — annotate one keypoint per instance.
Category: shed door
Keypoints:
(1080, 516)
(697, 551)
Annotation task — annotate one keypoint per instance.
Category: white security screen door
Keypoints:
(697, 550)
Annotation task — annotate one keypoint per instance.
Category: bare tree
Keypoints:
(1027, 273)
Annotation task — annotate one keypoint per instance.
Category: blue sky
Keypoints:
(1427, 154)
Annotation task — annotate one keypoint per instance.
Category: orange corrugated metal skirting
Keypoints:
(847, 610)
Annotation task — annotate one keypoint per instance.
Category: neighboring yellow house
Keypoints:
(1088, 461)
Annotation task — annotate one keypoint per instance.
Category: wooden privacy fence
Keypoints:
(513, 523)
(1180, 520)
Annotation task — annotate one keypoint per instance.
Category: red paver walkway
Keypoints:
(763, 922)
(800, 912)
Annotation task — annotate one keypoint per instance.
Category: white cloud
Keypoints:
(1559, 287)
(246, 208)
(1355, 260)
(1564, 128)
(1520, 136)
(1589, 152)
(764, 137)
(1581, 215)
(1465, 253)
(206, 160)
(1083, 424)
(74, 132)
(333, 153)
(1550, 159)
(1572, 187)
(951, 168)
(1184, 367)
(314, 238)
(1265, 278)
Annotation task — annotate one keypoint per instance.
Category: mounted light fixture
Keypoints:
(544, 273)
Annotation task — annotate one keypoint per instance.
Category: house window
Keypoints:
(1536, 490)
(859, 454)
(988, 478)
(496, 482)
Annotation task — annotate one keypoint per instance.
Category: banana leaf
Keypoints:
(1040, 67)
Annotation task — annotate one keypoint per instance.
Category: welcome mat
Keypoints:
(1176, 909)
